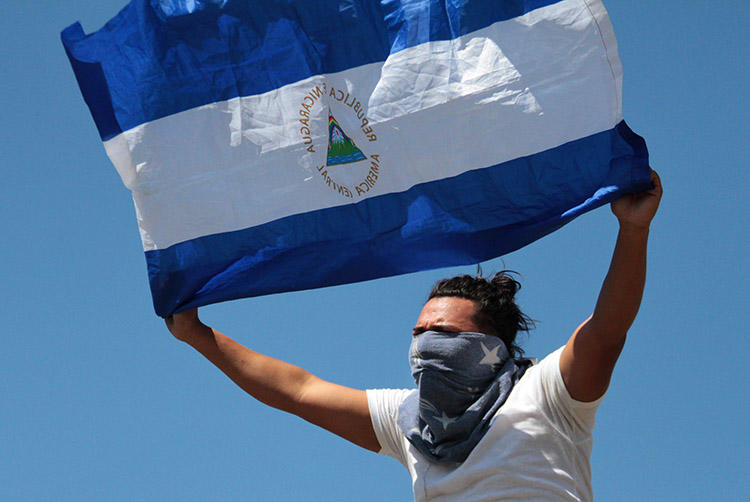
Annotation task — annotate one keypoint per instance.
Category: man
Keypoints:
(481, 425)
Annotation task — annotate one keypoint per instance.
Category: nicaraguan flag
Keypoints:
(281, 145)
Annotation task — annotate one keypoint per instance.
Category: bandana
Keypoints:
(462, 380)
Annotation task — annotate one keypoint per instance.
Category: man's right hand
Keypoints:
(185, 325)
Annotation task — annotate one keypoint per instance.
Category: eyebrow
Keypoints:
(447, 328)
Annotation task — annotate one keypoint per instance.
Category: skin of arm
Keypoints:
(589, 357)
(341, 410)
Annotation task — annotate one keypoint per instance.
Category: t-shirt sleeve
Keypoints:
(574, 418)
(384, 404)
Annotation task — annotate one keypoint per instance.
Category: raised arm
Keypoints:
(339, 409)
(590, 355)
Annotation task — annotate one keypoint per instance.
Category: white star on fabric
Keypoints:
(490, 356)
(445, 420)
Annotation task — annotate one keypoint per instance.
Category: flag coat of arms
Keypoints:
(287, 144)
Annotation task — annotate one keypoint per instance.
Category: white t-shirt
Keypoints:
(537, 448)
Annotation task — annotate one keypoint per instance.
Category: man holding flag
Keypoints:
(291, 145)
(482, 424)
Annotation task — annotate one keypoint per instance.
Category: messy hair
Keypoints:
(494, 299)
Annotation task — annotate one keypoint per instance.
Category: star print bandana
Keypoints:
(462, 380)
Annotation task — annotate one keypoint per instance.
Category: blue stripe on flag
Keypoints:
(470, 218)
(148, 63)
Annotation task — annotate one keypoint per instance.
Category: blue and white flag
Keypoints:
(281, 145)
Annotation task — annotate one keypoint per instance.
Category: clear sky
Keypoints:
(99, 402)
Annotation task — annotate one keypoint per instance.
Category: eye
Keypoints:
(445, 328)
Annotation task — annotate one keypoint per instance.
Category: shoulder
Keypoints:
(387, 399)
(542, 386)
(384, 405)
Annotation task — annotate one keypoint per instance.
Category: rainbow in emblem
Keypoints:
(341, 148)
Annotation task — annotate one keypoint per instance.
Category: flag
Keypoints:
(283, 145)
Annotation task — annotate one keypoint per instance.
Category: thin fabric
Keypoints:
(282, 145)
(462, 381)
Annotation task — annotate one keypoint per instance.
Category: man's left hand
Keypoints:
(638, 209)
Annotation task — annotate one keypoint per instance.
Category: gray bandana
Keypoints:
(462, 380)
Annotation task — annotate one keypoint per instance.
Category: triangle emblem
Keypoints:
(341, 148)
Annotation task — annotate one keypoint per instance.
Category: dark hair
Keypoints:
(494, 300)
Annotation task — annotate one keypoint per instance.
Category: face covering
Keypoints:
(462, 380)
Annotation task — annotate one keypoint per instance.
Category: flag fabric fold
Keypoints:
(287, 145)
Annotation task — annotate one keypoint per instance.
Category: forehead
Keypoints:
(452, 312)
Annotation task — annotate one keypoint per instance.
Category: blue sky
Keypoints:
(98, 402)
